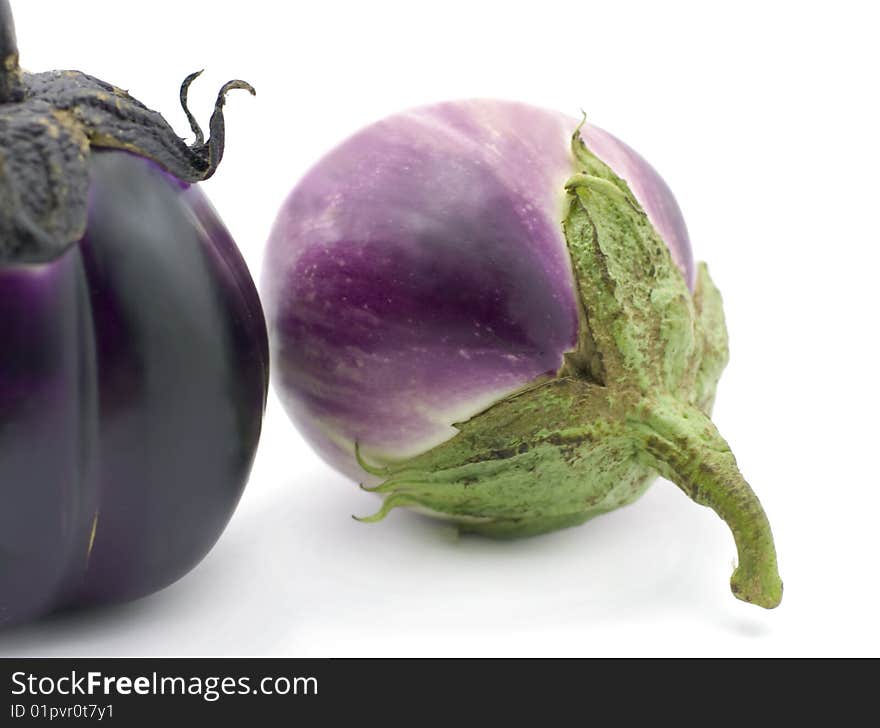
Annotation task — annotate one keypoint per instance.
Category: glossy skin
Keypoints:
(133, 378)
(419, 272)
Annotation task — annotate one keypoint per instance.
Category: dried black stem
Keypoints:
(47, 137)
(184, 95)
(11, 86)
(213, 149)
(209, 153)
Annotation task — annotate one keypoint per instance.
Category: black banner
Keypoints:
(131, 692)
(256, 691)
(262, 692)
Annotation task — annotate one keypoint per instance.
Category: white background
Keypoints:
(763, 117)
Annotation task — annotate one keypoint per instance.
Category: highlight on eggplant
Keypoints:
(490, 312)
(134, 358)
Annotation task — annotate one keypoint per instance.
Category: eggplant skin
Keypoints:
(133, 381)
(419, 272)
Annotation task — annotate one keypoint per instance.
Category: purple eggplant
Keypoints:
(134, 359)
(490, 312)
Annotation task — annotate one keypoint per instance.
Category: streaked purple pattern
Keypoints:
(133, 377)
(419, 273)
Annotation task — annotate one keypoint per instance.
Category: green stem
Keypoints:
(683, 445)
(11, 86)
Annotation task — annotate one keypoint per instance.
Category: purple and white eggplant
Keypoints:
(492, 314)
(134, 358)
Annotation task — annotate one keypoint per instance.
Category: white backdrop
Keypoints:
(763, 118)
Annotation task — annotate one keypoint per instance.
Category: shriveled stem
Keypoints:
(11, 86)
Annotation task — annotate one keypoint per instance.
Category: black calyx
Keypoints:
(50, 121)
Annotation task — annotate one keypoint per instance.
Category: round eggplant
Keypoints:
(490, 313)
(134, 360)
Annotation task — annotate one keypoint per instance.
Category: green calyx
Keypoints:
(630, 402)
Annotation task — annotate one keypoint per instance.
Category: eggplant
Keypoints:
(133, 348)
(490, 312)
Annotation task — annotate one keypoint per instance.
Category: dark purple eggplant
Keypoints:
(133, 348)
